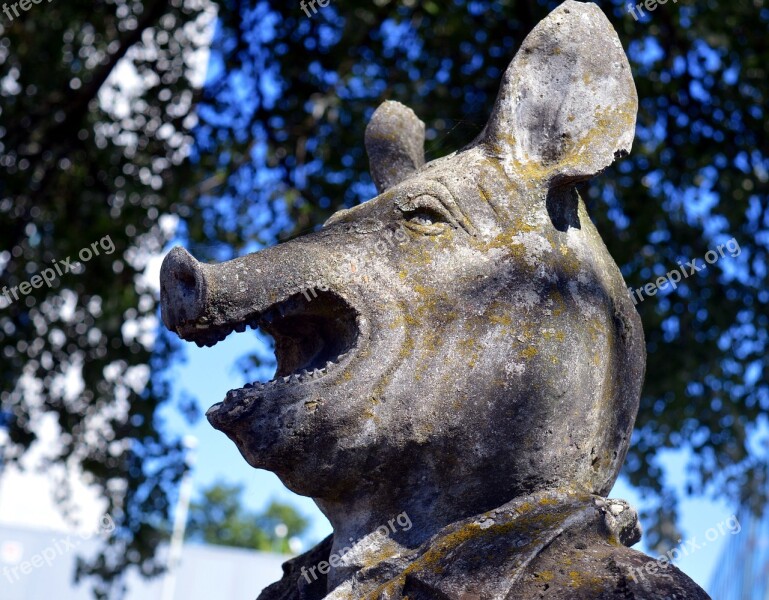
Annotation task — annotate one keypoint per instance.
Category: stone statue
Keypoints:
(459, 360)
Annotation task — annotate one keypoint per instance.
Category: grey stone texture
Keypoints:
(461, 349)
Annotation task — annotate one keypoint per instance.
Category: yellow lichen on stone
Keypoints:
(550, 334)
(584, 581)
(501, 320)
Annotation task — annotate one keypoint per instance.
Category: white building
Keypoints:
(37, 564)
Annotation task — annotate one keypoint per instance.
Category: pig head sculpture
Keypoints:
(461, 350)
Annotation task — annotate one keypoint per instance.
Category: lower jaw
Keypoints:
(302, 376)
(240, 403)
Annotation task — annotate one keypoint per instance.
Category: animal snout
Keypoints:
(182, 289)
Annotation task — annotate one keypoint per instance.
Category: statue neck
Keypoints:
(381, 526)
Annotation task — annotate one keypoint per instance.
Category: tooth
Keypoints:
(248, 386)
(329, 364)
(240, 328)
(317, 373)
(286, 379)
(294, 378)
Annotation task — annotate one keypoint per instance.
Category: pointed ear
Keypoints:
(567, 106)
(395, 140)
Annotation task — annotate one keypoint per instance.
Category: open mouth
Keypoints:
(314, 333)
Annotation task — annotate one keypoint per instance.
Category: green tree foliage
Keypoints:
(220, 518)
(95, 127)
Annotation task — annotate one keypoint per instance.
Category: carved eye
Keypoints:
(426, 214)
(425, 218)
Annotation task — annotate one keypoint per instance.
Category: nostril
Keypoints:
(184, 294)
(187, 282)
(182, 289)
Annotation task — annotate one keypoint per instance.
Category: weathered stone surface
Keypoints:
(461, 350)
(546, 545)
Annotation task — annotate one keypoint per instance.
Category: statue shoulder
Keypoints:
(584, 568)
